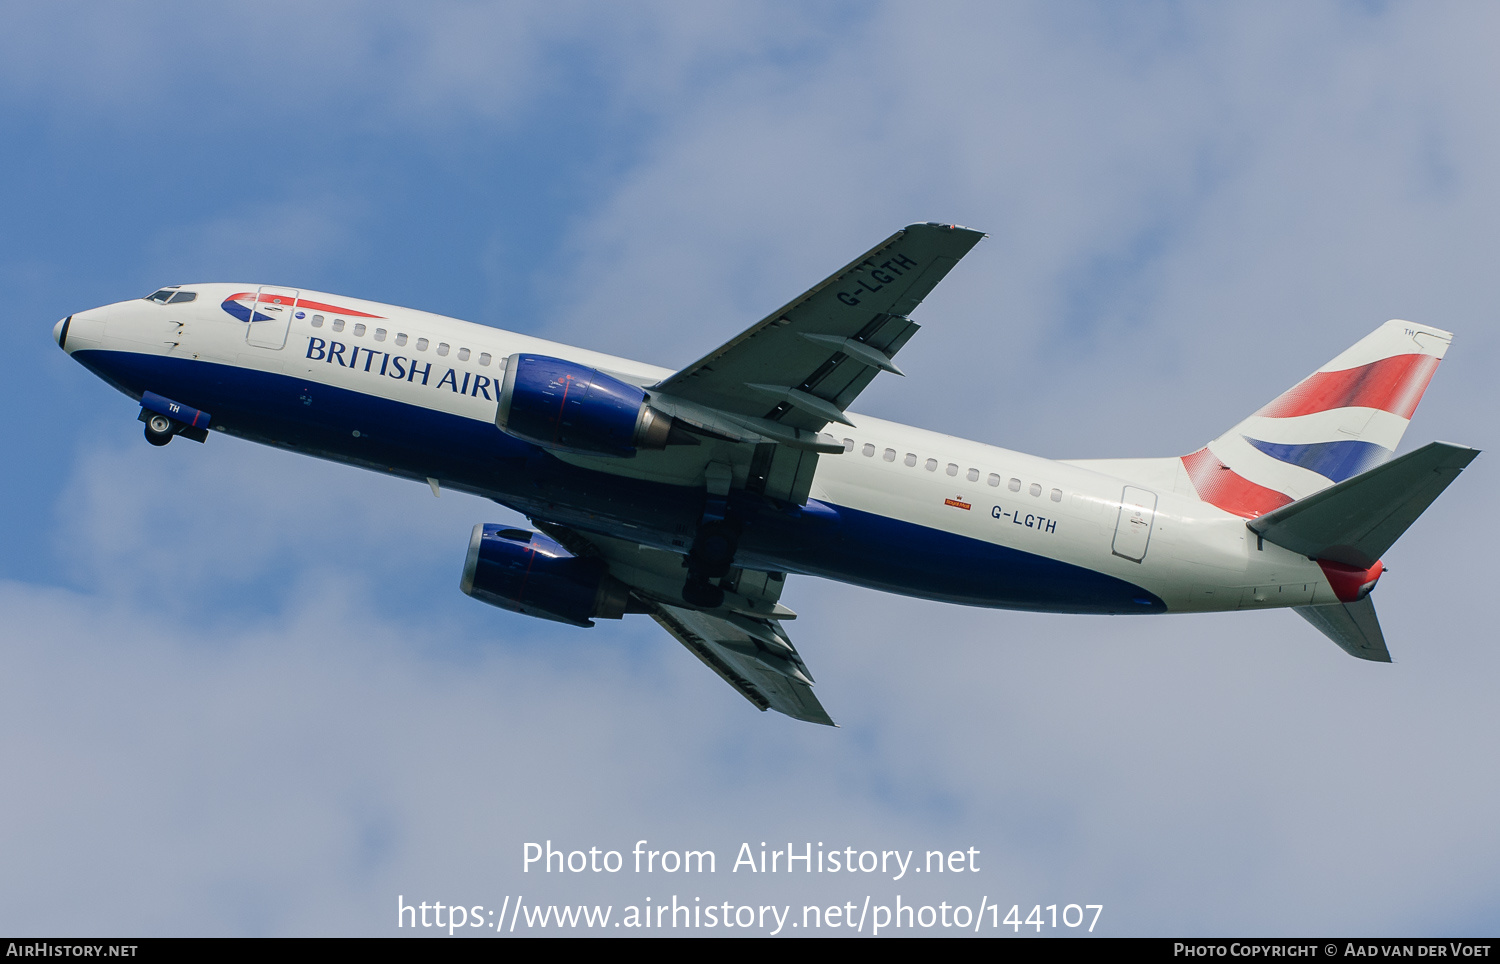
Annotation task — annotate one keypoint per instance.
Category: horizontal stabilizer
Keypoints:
(1353, 626)
(1354, 522)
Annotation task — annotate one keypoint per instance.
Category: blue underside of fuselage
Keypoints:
(847, 544)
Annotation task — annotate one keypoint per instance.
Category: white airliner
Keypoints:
(691, 495)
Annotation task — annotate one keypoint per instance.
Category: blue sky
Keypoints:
(241, 693)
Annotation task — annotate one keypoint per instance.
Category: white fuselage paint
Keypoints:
(1197, 557)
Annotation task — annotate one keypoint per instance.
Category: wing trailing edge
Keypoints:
(743, 641)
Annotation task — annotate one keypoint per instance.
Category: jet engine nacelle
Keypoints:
(573, 408)
(526, 572)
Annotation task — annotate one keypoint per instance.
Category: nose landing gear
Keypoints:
(165, 418)
(159, 429)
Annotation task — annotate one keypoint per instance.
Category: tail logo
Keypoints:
(1392, 385)
(1340, 421)
(1335, 461)
(1218, 484)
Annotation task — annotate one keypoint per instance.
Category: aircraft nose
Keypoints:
(60, 332)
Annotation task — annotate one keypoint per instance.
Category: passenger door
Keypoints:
(271, 316)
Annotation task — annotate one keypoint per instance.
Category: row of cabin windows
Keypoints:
(380, 334)
(173, 296)
(931, 465)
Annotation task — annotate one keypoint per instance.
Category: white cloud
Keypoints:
(290, 240)
(1189, 211)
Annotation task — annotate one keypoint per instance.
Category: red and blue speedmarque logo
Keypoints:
(244, 306)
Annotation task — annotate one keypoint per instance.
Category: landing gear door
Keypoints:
(1133, 529)
(271, 316)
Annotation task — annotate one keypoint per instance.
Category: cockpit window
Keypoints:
(163, 296)
(183, 297)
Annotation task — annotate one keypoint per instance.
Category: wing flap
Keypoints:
(656, 575)
(742, 641)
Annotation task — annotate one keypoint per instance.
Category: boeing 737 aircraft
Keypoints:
(692, 495)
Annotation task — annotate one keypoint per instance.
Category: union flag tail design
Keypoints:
(1343, 419)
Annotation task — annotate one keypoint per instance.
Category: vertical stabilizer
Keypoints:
(1352, 625)
(1343, 419)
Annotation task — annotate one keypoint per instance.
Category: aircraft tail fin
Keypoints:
(1355, 521)
(1340, 421)
(1352, 626)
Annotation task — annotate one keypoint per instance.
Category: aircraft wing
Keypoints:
(804, 363)
(742, 653)
(742, 640)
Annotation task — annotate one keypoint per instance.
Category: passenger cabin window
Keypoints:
(868, 450)
(889, 455)
(1014, 485)
(1036, 489)
(400, 339)
(338, 324)
(911, 458)
(380, 334)
(183, 297)
(421, 344)
(932, 465)
(359, 330)
(848, 445)
(1057, 495)
(463, 354)
(484, 358)
(317, 321)
(993, 479)
(973, 475)
(442, 348)
(952, 469)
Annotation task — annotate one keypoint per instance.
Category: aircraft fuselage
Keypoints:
(902, 509)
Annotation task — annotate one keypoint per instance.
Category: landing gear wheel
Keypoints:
(710, 557)
(159, 430)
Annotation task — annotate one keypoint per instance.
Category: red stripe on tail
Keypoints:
(1218, 484)
(1392, 384)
